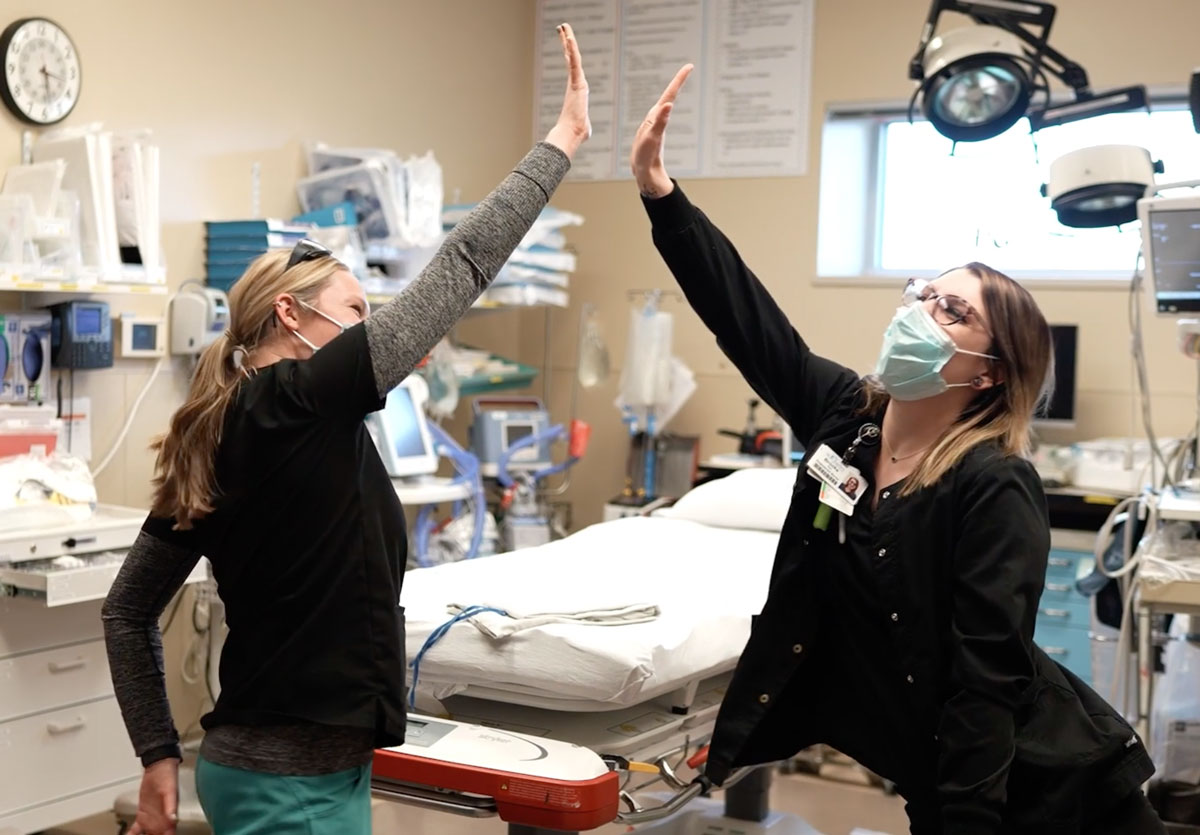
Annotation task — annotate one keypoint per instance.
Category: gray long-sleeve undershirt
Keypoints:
(399, 335)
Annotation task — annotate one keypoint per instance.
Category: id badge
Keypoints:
(839, 481)
(832, 498)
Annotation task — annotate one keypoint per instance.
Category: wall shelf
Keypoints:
(116, 285)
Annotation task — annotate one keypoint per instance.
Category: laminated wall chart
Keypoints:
(744, 111)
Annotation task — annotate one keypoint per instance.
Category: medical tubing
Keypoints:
(467, 465)
(551, 434)
(421, 535)
(437, 635)
(649, 475)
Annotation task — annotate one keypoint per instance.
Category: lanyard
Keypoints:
(868, 434)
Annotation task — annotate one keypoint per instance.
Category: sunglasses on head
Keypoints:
(307, 250)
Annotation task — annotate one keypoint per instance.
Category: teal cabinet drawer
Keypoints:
(1060, 591)
(1063, 565)
(1068, 645)
(1075, 612)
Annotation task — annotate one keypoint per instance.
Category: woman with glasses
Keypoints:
(268, 471)
(899, 628)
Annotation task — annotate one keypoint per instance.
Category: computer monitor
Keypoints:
(401, 433)
(1171, 250)
(1059, 410)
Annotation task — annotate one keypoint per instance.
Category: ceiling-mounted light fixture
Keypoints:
(977, 81)
(1194, 99)
(1100, 186)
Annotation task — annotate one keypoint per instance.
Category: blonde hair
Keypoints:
(1024, 373)
(185, 484)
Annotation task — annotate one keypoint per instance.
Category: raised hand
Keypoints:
(645, 158)
(573, 126)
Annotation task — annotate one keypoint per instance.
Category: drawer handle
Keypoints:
(66, 666)
(1056, 650)
(60, 728)
(1060, 562)
(1056, 613)
(1057, 587)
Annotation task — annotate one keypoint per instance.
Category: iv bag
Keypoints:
(646, 376)
(593, 354)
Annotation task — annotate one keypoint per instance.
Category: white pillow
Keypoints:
(754, 499)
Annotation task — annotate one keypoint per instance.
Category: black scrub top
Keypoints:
(308, 546)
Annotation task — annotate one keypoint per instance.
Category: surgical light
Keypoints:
(1100, 186)
(1194, 99)
(975, 82)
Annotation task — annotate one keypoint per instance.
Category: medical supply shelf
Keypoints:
(515, 298)
(18, 283)
(504, 297)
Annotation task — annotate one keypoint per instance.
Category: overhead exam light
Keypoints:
(977, 81)
(1100, 186)
(1194, 99)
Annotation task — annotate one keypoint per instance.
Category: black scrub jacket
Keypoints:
(998, 737)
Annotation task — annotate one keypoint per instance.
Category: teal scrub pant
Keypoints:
(239, 802)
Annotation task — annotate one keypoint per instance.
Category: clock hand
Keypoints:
(49, 74)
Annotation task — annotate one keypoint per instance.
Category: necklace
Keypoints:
(892, 453)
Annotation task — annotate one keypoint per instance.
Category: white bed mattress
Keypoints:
(706, 581)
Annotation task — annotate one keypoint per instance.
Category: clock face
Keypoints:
(40, 83)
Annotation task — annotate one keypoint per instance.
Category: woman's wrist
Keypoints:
(566, 138)
(654, 183)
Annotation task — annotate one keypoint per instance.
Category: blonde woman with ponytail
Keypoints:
(269, 472)
(898, 627)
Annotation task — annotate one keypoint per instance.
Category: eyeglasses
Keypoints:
(307, 250)
(948, 309)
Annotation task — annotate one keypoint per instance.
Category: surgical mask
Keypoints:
(323, 315)
(915, 349)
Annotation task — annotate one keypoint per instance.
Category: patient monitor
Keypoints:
(401, 432)
(1171, 246)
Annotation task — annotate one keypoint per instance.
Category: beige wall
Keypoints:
(862, 48)
(225, 83)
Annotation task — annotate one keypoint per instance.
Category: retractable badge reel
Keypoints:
(830, 475)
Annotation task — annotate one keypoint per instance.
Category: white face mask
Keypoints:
(343, 328)
(915, 349)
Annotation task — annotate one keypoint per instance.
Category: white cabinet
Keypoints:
(64, 752)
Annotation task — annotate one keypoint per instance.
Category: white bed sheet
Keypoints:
(707, 582)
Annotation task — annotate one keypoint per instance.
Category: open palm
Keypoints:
(645, 158)
(574, 125)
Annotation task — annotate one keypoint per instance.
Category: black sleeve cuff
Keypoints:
(162, 752)
(671, 212)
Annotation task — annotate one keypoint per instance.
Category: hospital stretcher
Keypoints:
(570, 773)
(549, 727)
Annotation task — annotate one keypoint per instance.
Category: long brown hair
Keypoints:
(185, 484)
(1002, 414)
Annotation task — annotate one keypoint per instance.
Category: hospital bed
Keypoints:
(547, 681)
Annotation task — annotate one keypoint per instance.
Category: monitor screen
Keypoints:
(87, 320)
(1061, 406)
(1174, 259)
(145, 337)
(403, 425)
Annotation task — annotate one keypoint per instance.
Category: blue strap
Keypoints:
(437, 635)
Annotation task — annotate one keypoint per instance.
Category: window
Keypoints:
(895, 200)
